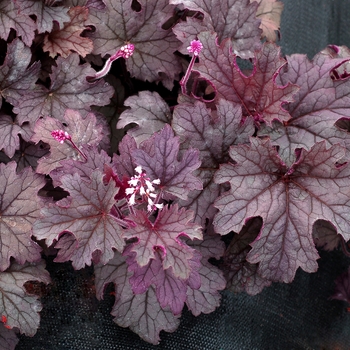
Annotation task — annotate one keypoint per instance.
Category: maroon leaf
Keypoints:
(45, 14)
(234, 19)
(258, 93)
(142, 313)
(82, 131)
(149, 111)
(10, 17)
(19, 209)
(9, 137)
(124, 163)
(20, 309)
(153, 58)
(164, 234)
(170, 291)
(87, 217)
(15, 76)
(69, 90)
(158, 156)
(206, 298)
(66, 39)
(320, 102)
(212, 133)
(289, 200)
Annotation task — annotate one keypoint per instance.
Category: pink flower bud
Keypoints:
(60, 135)
(195, 47)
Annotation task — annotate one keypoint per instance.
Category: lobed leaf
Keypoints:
(158, 156)
(258, 93)
(19, 208)
(289, 200)
(20, 309)
(69, 90)
(164, 234)
(149, 111)
(142, 313)
(319, 103)
(82, 130)
(153, 58)
(87, 217)
(66, 39)
(233, 19)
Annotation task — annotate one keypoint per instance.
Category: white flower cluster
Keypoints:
(142, 185)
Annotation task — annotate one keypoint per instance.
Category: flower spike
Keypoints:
(61, 136)
(195, 48)
(125, 51)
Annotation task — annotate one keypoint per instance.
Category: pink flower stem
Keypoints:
(125, 51)
(75, 147)
(185, 78)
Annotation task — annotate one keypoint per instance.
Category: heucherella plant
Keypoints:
(141, 184)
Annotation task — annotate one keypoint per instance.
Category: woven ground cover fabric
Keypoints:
(295, 316)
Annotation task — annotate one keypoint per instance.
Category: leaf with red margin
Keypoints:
(64, 40)
(164, 233)
(69, 90)
(149, 111)
(153, 58)
(318, 105)
(289, 200)
(45, 15)
(87, 217)
(19, 208)
(158, 156)
(15, 76)
(258, 93)
(142, 313)
(21, 309)
(82, 130)
(212, 133)
(233, 19)
(10, 17)
(242, 276)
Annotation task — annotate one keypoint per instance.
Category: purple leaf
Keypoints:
(88, 218)
(149, 111)
(19, 209)
(9, 137)
(153, 58)
(20, 309)
(142, 313)
(212, 133)
(170, 291)
(45, 15)
(158, 156)
(82, 130)
(15, 76)
(206, 298)
(234, 19)
(96, 160)
(258, 93)
(240, 274)
(319, 103)
(164, 234)
(10, 17)
(69, 90)
(289, 200)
